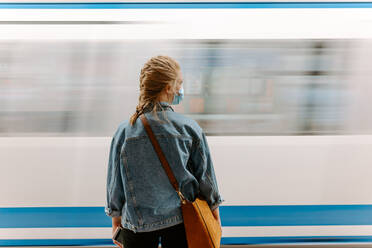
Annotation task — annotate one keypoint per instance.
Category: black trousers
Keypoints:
(171, 237)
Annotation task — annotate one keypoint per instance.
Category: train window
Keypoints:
(232, 87)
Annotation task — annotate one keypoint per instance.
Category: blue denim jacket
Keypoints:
(138, 188)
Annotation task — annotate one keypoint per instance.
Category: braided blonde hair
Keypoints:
(156, 74)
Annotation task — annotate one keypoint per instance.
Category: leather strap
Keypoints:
(161, 156)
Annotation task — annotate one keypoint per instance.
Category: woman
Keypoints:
(140, 197)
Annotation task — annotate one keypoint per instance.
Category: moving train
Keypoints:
(282, 91)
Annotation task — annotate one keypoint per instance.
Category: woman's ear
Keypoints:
(168, 89)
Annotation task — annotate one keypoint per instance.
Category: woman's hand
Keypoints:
(118, 244)
(114, 227)
(116, 222)
(216, 215)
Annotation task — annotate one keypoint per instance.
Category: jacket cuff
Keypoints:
(112, 213)
(216, 204)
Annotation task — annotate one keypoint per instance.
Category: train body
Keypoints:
(282, 90)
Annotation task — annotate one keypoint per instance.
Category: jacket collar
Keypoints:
(164, 103)
(164, 106)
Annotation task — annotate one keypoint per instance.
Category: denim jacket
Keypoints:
(138, 188)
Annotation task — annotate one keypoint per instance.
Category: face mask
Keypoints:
(178, 98)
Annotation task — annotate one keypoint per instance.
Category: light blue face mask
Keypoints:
(178, 98)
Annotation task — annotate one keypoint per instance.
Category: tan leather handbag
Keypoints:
(202, 229)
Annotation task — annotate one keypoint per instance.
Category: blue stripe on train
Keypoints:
(282, 215)
(224, 241)
(187, 5)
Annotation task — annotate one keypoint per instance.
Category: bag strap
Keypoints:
(161, 157)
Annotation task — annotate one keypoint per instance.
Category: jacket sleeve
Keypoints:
(204, 172)
(114, 185)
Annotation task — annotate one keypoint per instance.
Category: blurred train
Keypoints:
(282, 90)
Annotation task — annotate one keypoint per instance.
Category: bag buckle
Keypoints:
(183, 199)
